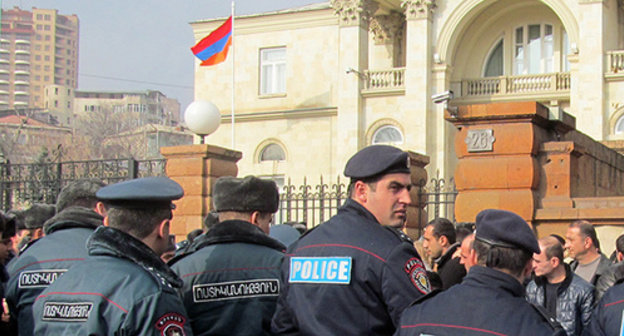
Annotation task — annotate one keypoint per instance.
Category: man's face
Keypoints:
(575, 243)
(431, 244)
(466, 255)
(389, 201)
(541, 264)
(5, 246)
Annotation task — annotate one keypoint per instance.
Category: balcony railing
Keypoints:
(551, 83)
(615, 62)
(384, 80)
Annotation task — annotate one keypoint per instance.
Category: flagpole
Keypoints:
(233, 67)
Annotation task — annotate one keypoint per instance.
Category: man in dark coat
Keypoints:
(614, 273)
(608, 316)
(231, 279)
(439, 242)
(44, 260)
(354, 274)
(490, 300)
(559, 290)
(122, 287)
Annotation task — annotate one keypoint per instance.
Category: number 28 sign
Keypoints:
(480, 140)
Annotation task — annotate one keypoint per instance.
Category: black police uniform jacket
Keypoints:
(608, 316)
(122, 288)
(487, 302)
(47, 258)
(231, 280)
(348, 276)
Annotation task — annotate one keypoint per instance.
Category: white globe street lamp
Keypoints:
(202, 118)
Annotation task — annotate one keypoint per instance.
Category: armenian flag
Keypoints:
(213, 48)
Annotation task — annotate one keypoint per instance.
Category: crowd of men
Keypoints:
(101, 262)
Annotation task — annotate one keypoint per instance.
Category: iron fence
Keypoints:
(41, 182)
(314, 204)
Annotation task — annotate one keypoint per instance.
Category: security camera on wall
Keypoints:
(442, 97)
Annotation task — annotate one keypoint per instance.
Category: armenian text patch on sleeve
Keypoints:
(327, 270)
(171, 324)
(66, 311)
(417, 274)
(39, 278)
(235, 290)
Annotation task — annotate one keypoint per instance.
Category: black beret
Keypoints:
(245, 195)
(141, 193)
(505, 229)
(377, 160)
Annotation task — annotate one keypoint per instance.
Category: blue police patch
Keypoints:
(622, 327)
(328, 270)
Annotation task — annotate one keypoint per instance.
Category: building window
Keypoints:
(533, 51)
(273, 71)
(272, 152)
(619, 126)
(494, 65)
(389, 135)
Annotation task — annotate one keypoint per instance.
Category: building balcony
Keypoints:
(3, 40)
(20, 104)
(549, 86)
(26, 42)
(22, 52)
(22, 72)
(384, 82)
(615, 65)
(20, 61)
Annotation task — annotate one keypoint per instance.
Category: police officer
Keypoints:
(608, 316)
(490, 300)
(354, 274)
(231, 281)
(123, 287)
(42, 261)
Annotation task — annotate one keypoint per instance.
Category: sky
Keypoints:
(136, 45)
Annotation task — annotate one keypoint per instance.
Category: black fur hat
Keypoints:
(35, 216)
(245, 195)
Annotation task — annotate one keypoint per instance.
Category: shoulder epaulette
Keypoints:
(28, 245)
(426, 296)
(402, 236)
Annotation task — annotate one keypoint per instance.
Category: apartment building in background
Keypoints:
(37, 48)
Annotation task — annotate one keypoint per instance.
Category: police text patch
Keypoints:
(329, 270)
(235, 290)
(66, 311)
(39, 278)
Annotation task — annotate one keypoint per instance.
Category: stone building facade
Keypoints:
(315, 84)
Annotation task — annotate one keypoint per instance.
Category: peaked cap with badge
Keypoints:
(142, 193)
(377, 160)
(505, 229)
(245, 195)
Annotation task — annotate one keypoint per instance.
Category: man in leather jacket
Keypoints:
(561, 292)
(43, 260)
(614, 273)
(231, 277)
(122, 287)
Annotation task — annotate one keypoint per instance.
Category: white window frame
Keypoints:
(527, 63)
(384, 127)
(272, 72)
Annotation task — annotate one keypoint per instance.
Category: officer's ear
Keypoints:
(163, 229)
(361, 191)
(100, 208)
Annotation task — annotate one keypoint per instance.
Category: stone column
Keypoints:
(417, 213)
(497, 146)
(196, 168)
(589, 107)
(353, 54)
(418, 74)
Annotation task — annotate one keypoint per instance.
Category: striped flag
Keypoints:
(213, 49)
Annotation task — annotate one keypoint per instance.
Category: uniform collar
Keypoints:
(116, 243)
(352, 206)
(236, 231)
(73, 217)
(488, 277)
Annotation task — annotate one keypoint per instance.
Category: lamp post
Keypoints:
(202, 118)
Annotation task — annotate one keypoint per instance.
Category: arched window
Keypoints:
(272, 152)
(388, 135)
(533, 49)
(494, 65)
(619, 125)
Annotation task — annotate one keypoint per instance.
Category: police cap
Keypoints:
(245, 195)
(505, 229)
(375, 161)
(142, 193)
